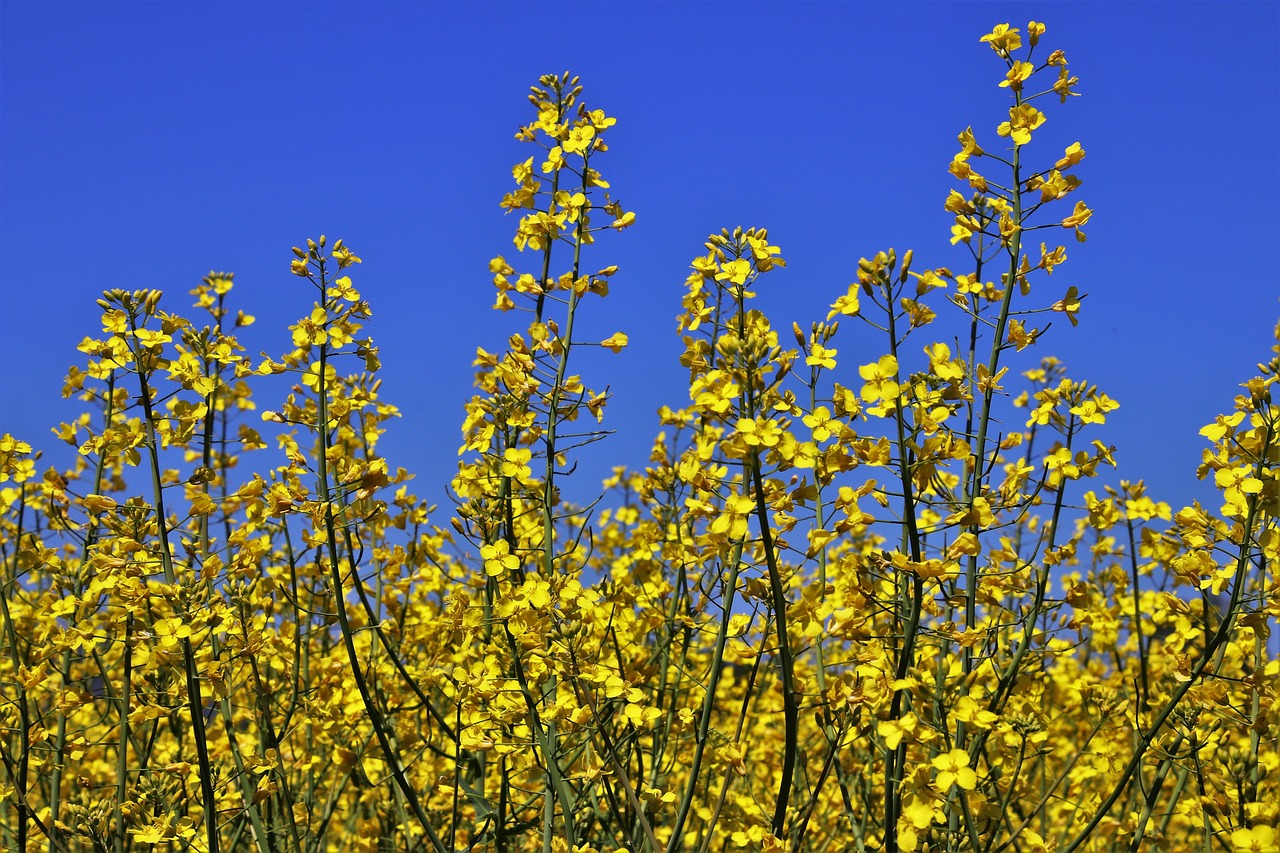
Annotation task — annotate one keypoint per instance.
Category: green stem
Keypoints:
(24, 710)
(194, 702)
(335, 569)
(676, 841)
(1212, 646)
(91, 536)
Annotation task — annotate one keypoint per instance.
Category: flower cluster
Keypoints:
(876, 588)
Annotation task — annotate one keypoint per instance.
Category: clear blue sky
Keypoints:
(144, 144)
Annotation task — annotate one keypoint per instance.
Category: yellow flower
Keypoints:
(953, 769)
(1073, 155)
(154, 833)
(893, 730)
(1056, 185)
(759, 432)
(820, 423)
(1003, 39)
(616, 342)
(312, 378)
(342, 289)
(555, 159)
(735, 271)
(580, 139)
(880, 379)
(1063, 85)
(1023, 119)
(820, 356)
(968, 146)
(1079, 217)
(515, 463)
(846, 305)
(1017, 73)
(1259, 839)
(1070, 304)
(1061, 464)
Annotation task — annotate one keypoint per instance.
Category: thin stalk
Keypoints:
(122, 748)
(1153, 795)
(974, 484)
(819, 510)
(90, 538)
(326, 497)
(1212, 646)
(24, 710)
(676, 841)
(1137, 617)
(194, 702)
(262, 839)
(790, 710)
(548, 529)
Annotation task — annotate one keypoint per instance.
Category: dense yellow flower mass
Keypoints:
(843, 607)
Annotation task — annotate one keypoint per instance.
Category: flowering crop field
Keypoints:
(843, 607)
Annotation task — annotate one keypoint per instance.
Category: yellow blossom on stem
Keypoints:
(953, 769)
(1003, 39)
(880, 379)
(1023, 119)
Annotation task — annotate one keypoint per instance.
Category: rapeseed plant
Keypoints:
(843, 607)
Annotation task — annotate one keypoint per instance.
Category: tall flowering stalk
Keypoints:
(528, 537)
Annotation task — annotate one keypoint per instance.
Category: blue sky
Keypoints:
(144, 144)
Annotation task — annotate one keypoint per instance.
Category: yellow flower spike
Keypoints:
(572, 649)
